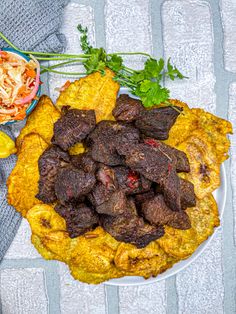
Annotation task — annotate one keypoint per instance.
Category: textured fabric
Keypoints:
(9, 218)
(32, 24)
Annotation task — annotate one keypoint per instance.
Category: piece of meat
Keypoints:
(170, 186)
(127, 109)
(99, 194)
(115, 205)
(85, 162)
(52, 159)
(157, 212)
(72, 183)
(79, 219)
(157, 122)
(187, 195)
(130, 181)
(131, 228)
(179, 157)
(142, 197)
(73, 127)
(107, 137)
(106, 175)
(148, 161)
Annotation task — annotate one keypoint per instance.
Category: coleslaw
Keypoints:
(19, 83)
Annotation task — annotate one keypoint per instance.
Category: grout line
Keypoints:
(112, 299)
(158, 51)
(223, 79)
(156, 26)
(99, 12)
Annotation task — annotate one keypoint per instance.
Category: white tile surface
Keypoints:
(128, 28)
(78, 297)
(228, 12)
(21, 246)
(23, 291)
(148, 299)
(188, 40)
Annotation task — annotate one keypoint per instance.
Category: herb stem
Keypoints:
(45, 69)
(130, 54)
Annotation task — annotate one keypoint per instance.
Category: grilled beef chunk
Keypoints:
(143, 197)
(178, 157)
(73, 127)
(187, 195)
(52, 159)
(157, 122)
(127, 109)
(131, 228)
(130, 181)
(106, 175)
(85, 162)
(115, 205)
(170, 186)
(107, 136)
(157, 212)
(72, 183)
(79, 218)
(99, 194)
(148, 161)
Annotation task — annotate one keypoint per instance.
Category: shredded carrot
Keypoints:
(21, 115)
(30, 73)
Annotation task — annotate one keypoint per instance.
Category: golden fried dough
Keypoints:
(184, 125)
(204, 163)
(41, 121)
(43, 219)
(182, 243)
(37, 242)
(217, 130)
(204, 217)
(23, 181)
(77, 149)
(92, 92)
(146, 262)
(178, 243)
(93, 277)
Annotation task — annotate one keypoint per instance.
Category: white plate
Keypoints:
(220, 196)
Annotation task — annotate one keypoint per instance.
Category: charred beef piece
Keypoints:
(115, 205)
(72, 183)
(73, 127)
(170, 186)
(130, 181)
(85, 162)
(180, 158)
(79, 219)
(158, 166)
(107, 136)
(127, 109)
(157, 212)
(131, 228)
(157, 122)
(187, 195)
(143, 197)
(52, 159)
(148, 161)
(99, 194)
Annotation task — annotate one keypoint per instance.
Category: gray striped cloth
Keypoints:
(30, 25)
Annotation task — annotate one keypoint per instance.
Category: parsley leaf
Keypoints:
(145, 83)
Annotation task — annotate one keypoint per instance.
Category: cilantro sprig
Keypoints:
(146, 83)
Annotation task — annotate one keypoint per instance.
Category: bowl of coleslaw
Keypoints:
(19, 85)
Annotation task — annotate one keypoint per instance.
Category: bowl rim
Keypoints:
(33, 102)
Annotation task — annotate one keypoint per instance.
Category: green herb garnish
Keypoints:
(146, 83)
